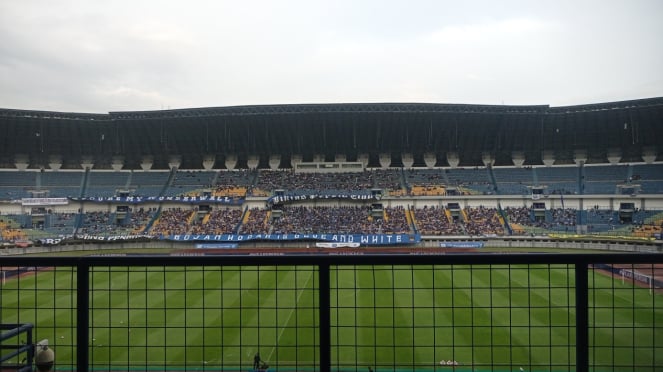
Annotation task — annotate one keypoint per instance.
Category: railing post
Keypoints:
(82, 316)
(324, 313)
(582, 317)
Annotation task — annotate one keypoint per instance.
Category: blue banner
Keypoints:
(369, 239)
(159, 199)
(289, 198)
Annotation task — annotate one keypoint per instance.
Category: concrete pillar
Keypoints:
(614, 155)
(231, 161)
(430, 158)
(274, 161)
(518, 158)
(649, 154)
(208, 162)
(385, 160)
(146, 162)
(453, 159)
(253, 161)
(87, 162)
(55, 162)
(488, 159)
(363, 158)
(580, 156)
(548, 157)
(21, 161)
(117, 163)
(174, 161)
(407, 159)
(318, 158)
(296, 159)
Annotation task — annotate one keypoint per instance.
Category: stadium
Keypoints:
(345, 237)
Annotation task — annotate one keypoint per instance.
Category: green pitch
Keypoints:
(499, 318)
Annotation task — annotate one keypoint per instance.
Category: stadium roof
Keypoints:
(335, 107)
(351, 129)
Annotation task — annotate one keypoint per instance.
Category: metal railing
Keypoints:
(461, 312)
(10, 348)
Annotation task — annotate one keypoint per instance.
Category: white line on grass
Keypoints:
(292, 310)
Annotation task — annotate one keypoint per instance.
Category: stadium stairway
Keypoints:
(409, 217)
(581, 179)
(169, 182)
(152, 221)
(242, 219)
(504, 220)
(447, 213)
(464, 214)
(491, 177)
(629, 172)
(84, 182)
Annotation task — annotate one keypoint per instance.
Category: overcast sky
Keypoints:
(101, 56)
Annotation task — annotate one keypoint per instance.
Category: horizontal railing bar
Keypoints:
(17, 351)
(15, 329)
(342, 259)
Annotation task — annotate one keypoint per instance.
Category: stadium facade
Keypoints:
(457, 175)
(409, 170)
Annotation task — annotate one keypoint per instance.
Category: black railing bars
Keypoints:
(579, 266)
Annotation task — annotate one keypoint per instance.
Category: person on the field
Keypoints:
(256, 361)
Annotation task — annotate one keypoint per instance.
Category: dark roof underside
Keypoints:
(330, 129)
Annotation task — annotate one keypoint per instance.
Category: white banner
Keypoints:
(44, 201)
(337, 245)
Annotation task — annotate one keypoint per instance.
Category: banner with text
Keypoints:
(161, 199)
(94, 238)
(290, 198)
(369, 239)
(461, 244)
(44, 201)
(217, 246)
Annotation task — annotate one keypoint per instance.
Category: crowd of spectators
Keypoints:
(395, 221)
(97, 223)
(524, 216)
(255, 222)
(62, 223)
(11, 234)
(230, 191)
(9, 230)
(321, 220)
(240, 177)
(565, 217)
(138, 219)
(389, 180)
(425, 182)
(340, 220)
(558, 218)
(62, 220)
(172, 221)
(233, 183)
(294, 181)
(483, 221)
(218, 221)
(433, 220)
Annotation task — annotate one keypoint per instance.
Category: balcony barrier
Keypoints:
(342, 311)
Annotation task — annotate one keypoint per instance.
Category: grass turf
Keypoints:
(498, 318)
